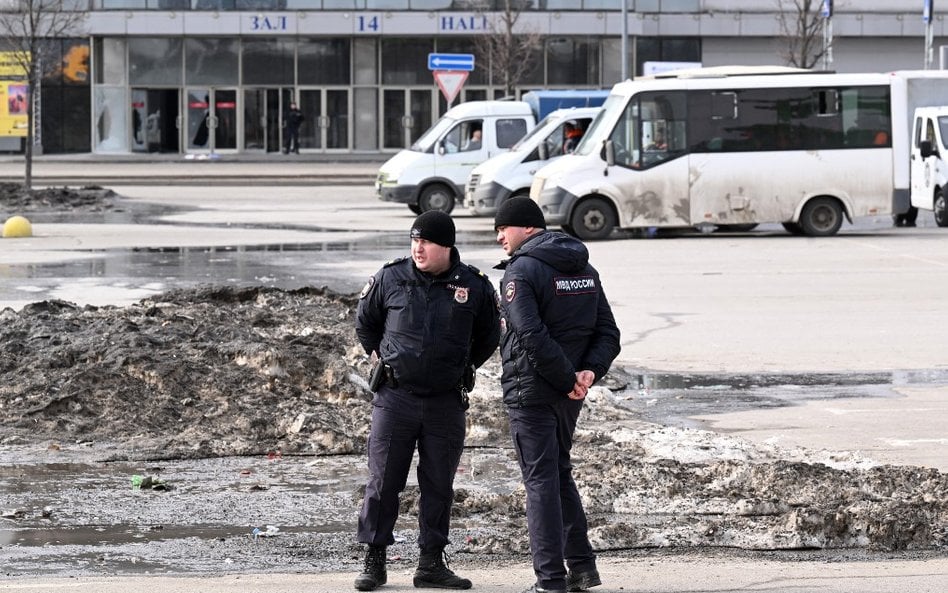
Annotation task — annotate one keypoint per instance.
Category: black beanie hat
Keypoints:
(434, 226)
(519, 211)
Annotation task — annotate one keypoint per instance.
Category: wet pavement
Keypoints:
(340, 258)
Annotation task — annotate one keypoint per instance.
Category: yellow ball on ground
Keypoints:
(17, 226)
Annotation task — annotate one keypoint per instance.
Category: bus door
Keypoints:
(921, 168)
(650, 141)
(735, 166)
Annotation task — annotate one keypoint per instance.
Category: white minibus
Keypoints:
(723, 149)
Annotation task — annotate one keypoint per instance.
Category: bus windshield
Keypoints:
(592, 139)
(943, 126)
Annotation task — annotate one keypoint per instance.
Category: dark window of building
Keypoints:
(209, 60)
(260, 4)
(665, 49)
(67, 62)
(66, 102)
(66, 115)
(268, 61)
(324, 61)
(214, 4)
(405, 61)
(533, 75)
(572, 60)
(155, 60)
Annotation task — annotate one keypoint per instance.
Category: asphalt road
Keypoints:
(868, 300)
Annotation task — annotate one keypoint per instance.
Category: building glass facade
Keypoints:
(202, 76)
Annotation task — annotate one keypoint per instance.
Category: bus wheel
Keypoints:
(593, 220)
(941, 209)
(821, 217)
(414, 208)
(792, 228)
(436, 197)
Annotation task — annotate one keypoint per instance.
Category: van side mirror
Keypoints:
(543, 151)
(440, 147)
(609, 150)
(926, 149)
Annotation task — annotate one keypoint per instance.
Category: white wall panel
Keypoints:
(155, 23)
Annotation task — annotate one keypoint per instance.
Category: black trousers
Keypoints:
(292, 140)
(400, 422)
(556, 521)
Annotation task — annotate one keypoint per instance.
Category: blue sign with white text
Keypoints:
(927, 11)
(451, 62)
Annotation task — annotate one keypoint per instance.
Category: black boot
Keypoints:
(433, 572)
(374, 575)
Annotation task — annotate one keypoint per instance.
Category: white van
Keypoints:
(929, 172)
(511, 173)
(431, 174)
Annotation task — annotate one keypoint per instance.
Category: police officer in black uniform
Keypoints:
(560, 337)
(431, 320)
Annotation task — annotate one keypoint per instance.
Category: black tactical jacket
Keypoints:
(429, 327)
(557, 320)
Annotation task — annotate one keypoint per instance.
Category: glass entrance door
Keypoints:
(406, 114)
(264, 109)
(327, 122)
(211, 124)
(155, 121)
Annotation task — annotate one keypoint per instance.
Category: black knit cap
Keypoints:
(434, 226)
(519, 211)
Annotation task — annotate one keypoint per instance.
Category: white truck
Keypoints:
(511, 173)
(431, 174)
(929, 171)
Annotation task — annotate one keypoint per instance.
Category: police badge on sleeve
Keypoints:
(367, 287)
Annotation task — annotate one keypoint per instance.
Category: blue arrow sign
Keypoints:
(451, 62)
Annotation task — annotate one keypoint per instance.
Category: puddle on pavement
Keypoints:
(133, 274)
(674, 398)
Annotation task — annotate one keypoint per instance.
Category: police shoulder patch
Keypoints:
(368, 287)
(395, 261)
(510, 291)
(483, 277)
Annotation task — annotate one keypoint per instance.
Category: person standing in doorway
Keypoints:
(560, 338)
(292, 122)
(430, 320)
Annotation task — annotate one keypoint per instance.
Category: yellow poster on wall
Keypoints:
(14, 96)
(13, 64)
